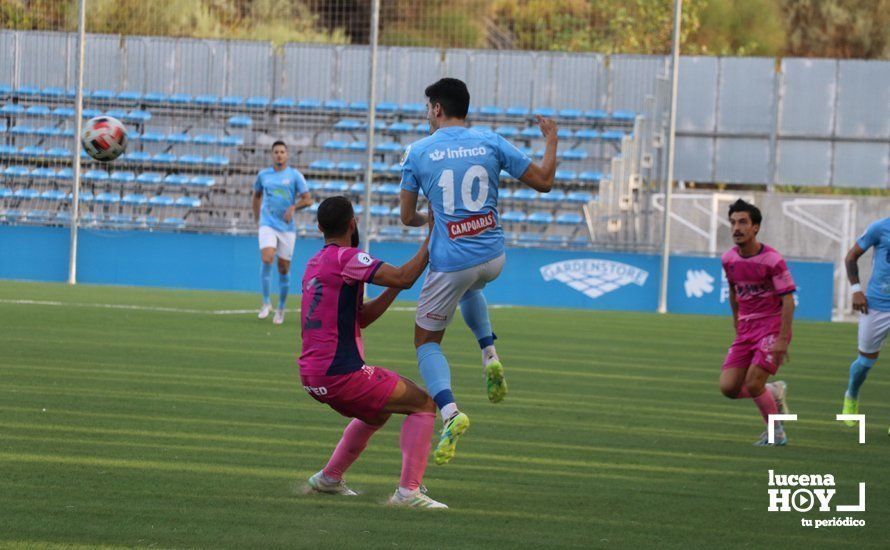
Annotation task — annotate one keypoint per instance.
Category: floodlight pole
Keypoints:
(372, 119)
(78, 128)
(669, 179)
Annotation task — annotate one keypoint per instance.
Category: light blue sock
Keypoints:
(858, 371)
(266, 280)
(283, 287)
(436, 373)
(474, 309)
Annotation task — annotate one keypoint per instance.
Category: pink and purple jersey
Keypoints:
(333, 290)
(760, 281)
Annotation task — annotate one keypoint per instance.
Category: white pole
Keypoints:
(372, 118)
(78, 128)
(669, 180)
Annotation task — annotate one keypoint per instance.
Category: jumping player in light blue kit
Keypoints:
(275, 195)
(873, 306)
(457, 169)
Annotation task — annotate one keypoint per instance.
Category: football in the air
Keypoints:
(104, 138)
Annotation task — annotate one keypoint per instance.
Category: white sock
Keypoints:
(448, 411)
(489, 354)
(405, 493)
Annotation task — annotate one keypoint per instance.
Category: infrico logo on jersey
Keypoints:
(594, 278)
(473, 225)
(459, 153)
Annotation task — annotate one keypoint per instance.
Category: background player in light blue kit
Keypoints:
(275, 195)
(457, 169)
(873, 306)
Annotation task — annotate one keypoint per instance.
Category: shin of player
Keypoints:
(279, 191)
(761, 296)
(457, 169)
(332, 367)
(873, 306)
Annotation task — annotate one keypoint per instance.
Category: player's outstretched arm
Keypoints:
(860, 303)
(540, 176)
(396, 278)
(408, 210)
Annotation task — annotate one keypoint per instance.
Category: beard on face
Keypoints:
(355, 239)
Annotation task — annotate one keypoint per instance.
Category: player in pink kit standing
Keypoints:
(332, 367)
(761, 296)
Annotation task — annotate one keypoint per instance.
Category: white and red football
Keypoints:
(104, 138)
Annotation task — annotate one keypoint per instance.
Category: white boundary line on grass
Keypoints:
(170, 309)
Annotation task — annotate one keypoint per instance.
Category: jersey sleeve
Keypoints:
(300, 185)
(513, 161)
(871, 237)
(258, 183)
(410, 182)
(781, 278)
(357, 266)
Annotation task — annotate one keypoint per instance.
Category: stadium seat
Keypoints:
(233, 101)
(3, 127)
(65, 174)
(357, 189)
(48, 131)
(387, 107)
(177, 138)
(154, 98)
(505, 194)
(25, 194)
(336, 145)
(358, 106)
(587, 134)
(90, 113)
(192, 160)
(590, 176)
(22, 130)
(357, 146)
(206, 100)
(43, 173)
(54, 195)
(400, 127)
(570, 114)
(160, 201)
(555, 195)
(129, 96)
(202, 182)
(525, 194)
(37, 110)
(491, 110)
(187, 202)
(95, 176)
(180, 99)
(240, 121)
(149, 178)
(152, 137)
(5, 193)
(122, 177)
(579, 197)
(560, 240)
(37, 216)
(85, 196)
(205, 139)
(507, 131)
(335, 105)
(138, 116)
(32, 151)
(612, 135)
(284, 103)
(422, 128)
(322, 165)
(569, 219)
(349, 166)
(513, 217)
(394, 169)
(27, 91)
(52, 92)
(388, 147)
(102, 95)
(217, 160)
(564, 133)
(574, 154)
(565, 176)
(8, 150)
(173, 223)
(309, 104)
(119, 114)
(544, 111)
(532, 132)
(63, 112)
(379, 167)
(390, 231)
(134, 199)
(257, 102)
(315, 185)
(596, 114)
(137, 156)
(120, 220)
(379, 210)
(63, 216)
(71, 93)
(336, 186)
(540, 218)
(5, 90)
(388, 189)
(348, 125)
(176, 179)
(231, 141)
(107, 198)
(147, 221)
(624, 115)
(163, 158)
(517, 112)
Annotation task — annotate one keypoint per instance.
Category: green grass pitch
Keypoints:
(183, 428)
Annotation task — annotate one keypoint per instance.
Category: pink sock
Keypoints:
(767, 404)
(415, 443)
(355, 439)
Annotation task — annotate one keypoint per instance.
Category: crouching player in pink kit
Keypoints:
(332, 367)
(760, 293)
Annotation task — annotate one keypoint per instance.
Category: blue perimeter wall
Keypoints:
(532, 277)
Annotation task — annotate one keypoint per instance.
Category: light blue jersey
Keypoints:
(878, 236)
(458, 169)
(280, 191)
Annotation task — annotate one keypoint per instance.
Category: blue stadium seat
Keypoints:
(531, 132)
(505, 194)
(513, 217)
(357, 188)
(149, 178)
(348, 125)
(284, 103)
(217, 160)
(147, 221)
(52, 92)
(394, 169)
(187, 202)
(202, 182)
(573, 154)
(134, 199)
(580, 240)
(569, 219)
(26, 194)
(596, 114)
(564, 133)
(422, 128)
(85, 196)
(5, 193)
(379, 167)
(5, 90)
(191, 160)
(525, 194)
(491, 110)
(315, 185)
(22, 130)
(336, 186)
(163, 158)
(565, 176)
(357, 146)
(37, 110)
(119, 114)
(388, 189)
(544, 111)
(205, 139)
(233, 101)
(138, 115)
(587, 134)
(309, 104)
(8, 150)
(37, 216)
(579, 197)
(90, 113)
(160, 200)
(231, 141)
(387, 107)
(155, 98)
(526, 150)
(63, 112)
(390, 231)
(540, 218)
(177, 138)
(54, 195)
(102, 95)
(240, 121)
(612, 135)
(129, 96)
(413, 108)
(12, 109)
(180, 99)
(322, 165)
(257, 102)
(348, 166)
(507, 131)
(63, 216)
(2, 127)
(517, 112)
(107, 198)
(122, 177)
(335, 105)
(358, 106)
(71, 93)
(570, 114)
(388, 147)
(27, 91)
(400, 127)
(173, 223)
(590, 176)
(176, 179)
(88, 218)
(379, 210)
(32, 151)
(48, 131)
(43, 173)
(336, 145)
(560, 240)
(206, 100)
(624, 115)
(137, 156)
(120, 220)
(95, 176)
(555, 195)
(65, 174)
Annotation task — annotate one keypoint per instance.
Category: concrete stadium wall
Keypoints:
(532, 277)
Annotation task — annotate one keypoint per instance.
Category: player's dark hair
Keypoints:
(334, 215)
(279, 142)
(742, 206)
(452, 95)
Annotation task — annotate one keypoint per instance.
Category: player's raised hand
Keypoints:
(860, 302)
(548, 127)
